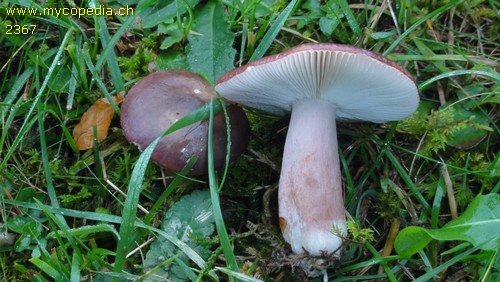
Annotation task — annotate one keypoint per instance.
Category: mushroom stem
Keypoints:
(310, 187)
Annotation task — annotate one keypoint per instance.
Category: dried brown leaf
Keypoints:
(99, 115)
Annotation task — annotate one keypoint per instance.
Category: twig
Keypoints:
(449, 191)
(140, 247)
(389, 241)
(125, 195)
(105, 176)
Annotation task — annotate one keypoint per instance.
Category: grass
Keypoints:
(92, 215)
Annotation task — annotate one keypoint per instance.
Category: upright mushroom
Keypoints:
(158, 100)
(319, 83)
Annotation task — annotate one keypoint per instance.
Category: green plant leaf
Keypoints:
(175, 35)
(165, 12)
(327, 25)
(210, 49)
(479, 225)
(173, 59)
(474, 132)
(411, 240)
(190, 220)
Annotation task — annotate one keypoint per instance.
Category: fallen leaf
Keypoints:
(99, 115)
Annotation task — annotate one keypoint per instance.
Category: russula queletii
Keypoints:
(158, 100)
(319, 83)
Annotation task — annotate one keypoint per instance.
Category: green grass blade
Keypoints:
(376, 255)
(369, 263)
(406, 178)
(75, 269)
(7, 122)
(351, 194)
(109, 48)
(422, 20)
(135, 184)
(130, 206)
(24, 126)
(351, 19)
(55, 218)
(491, 74)
(87, 230)
(18, 85)
(238, 275)
(228, 146)
(273, 31)
(114, 219)
(155, 269)
(45, 159)
(111, 59)
(435, 272)
(173, 184)
(48, 269)
(214, 195)
(436, 205)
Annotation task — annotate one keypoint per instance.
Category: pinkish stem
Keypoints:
(310, 188)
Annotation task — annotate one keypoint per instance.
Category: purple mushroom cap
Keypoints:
(158, 100)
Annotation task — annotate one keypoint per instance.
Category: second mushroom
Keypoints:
(319, 83)
(158, 100)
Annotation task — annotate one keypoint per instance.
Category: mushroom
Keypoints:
(319, 83)
(158, 100)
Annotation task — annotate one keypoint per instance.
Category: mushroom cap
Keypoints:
(158, 100)
(360, 84)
